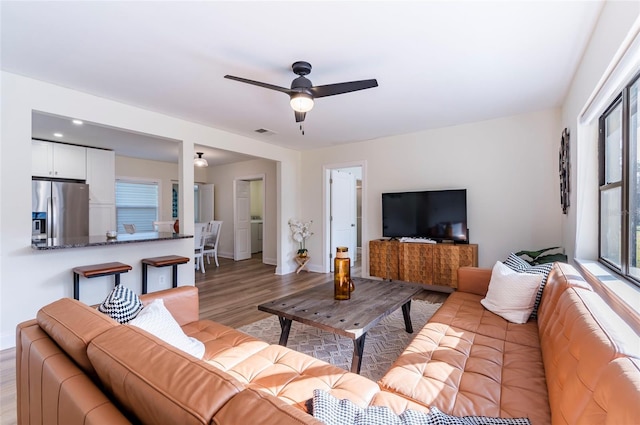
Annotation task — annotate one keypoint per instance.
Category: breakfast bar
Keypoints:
(102, 240)
(101, 259)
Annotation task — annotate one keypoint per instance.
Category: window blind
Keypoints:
(137, 204)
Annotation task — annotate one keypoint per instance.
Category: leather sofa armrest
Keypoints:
(182, 302)
(474, 280)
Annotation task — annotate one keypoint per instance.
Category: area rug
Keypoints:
(383, 344)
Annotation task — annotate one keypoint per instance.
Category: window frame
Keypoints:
(623, 99)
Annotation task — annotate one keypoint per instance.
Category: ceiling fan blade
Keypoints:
(300, 116)
(260, 84)
(340, 88)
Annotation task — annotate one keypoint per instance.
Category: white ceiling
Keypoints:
(125, 143)
(438, 63)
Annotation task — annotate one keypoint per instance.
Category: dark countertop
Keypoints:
(97, 240)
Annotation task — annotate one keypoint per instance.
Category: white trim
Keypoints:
(624, 65)
(622, 295)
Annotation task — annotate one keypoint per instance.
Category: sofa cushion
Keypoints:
(157, 383)
(583, 336)
(182, 302)
(224, 347)
(511, 294)
(464, 311)
(561, 277)
(73, 325)
(292, 377)
(616, 399)
(51, 387)
(521, 266)
(469, 361)
(157, 320)
(264, 409)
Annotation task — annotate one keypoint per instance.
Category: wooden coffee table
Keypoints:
(371, 301)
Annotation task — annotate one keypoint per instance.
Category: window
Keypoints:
(196, 201)
(620, 184)
(136, 203)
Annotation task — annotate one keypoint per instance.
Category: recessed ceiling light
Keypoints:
(58, 134)
(77, 122)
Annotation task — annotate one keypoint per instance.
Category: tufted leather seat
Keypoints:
(467, 360)
(578, 364)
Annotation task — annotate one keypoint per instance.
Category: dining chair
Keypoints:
(163, 226)
(211, 242)
(199, 234)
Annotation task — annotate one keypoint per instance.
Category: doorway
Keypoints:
(344, 218)
(249, 216)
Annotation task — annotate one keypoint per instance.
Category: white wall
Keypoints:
(256, 188)
(580, 226)
(509, 167)
(30, 279)
(223, 176)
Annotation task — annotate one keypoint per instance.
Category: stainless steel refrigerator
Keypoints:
(59, 209)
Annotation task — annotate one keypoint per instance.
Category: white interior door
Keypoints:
(206, 202)
(242, 223)
(343, 213)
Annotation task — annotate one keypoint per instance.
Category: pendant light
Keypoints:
(200, 161)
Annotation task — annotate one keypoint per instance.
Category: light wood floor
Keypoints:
(229, 294)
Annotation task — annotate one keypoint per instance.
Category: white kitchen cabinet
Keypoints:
(58, 160)
(102, 217)
(101, 176)
(41, 159)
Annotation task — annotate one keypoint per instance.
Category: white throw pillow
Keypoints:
(157, 320)
(511, 294)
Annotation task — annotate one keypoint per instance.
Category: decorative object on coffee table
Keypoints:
(565, 169)
(351, 318)
(300, 232)
(342, 283)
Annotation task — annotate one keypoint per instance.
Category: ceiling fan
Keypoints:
(302, 92)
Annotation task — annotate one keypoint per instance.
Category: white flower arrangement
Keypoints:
(300, 232)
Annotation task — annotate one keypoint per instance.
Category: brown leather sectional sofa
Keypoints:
(577, 364)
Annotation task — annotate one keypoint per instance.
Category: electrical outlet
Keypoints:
(161, 280)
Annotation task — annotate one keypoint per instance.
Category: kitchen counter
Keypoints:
(97, 240)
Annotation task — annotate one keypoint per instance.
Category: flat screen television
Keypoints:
(440, 215)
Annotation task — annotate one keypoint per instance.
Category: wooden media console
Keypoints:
(428, 263)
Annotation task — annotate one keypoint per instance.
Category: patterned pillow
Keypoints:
(518, 264)
(122, 304)
(332, 411)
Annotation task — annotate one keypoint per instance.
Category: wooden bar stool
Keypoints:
(97, 270)
(167, 260)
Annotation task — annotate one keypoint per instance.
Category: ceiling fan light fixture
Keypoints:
(301, 102)
(200, 161)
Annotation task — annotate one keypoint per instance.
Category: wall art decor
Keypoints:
(565, 168)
